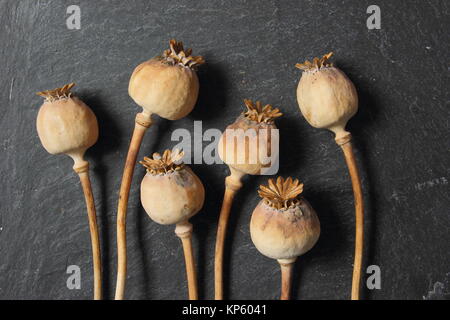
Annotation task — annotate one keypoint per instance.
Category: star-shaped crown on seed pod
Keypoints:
(282, 193)
(170, 161)
(58, 93)
(177, 55)
(256, 112)
(316, 64)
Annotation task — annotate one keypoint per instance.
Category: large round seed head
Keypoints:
(167, 85)
(283, 226)
(171, 192)
(65, 124)
(326, 96)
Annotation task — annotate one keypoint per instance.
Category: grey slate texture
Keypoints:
(401, 133)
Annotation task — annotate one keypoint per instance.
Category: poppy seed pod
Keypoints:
(246, 144)
(282, 225)
(171, 193)
(167, 85)
(328, 99)
(65, 124)
(326, 96)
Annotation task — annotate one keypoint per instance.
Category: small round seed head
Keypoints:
(171, 192)
(326, 96)
(282, 225)
(246, 144)
(65, 124)
(168, 84)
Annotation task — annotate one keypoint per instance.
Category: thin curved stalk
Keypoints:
(286, 278)
(184, 232)
(347, 148)
(232, 185)
(95, 242)
(142, 123)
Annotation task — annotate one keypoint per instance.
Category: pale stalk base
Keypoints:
(232, 185)
(184, 231)
(344, 141)
(81, 167)
(142, 123)
(287, 266)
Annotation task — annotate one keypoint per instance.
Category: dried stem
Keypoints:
(142, 123)
(232, 185)
(286, 278)
(347, 148)
(83, 173)
(184, 232)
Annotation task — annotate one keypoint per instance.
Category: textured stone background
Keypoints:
(401, 134)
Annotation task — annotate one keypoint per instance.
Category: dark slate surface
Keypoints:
(401, 134)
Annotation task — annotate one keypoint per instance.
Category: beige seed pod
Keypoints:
(283, 226)
(167, 85)
(326, 96)
(247, 141)
(243, 146)
(328, 99)
(171, 193)
(66, 125)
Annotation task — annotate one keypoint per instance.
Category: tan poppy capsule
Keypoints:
(328, 99)
(171, 193)
(66, 125)
(167, 85)
(326, 96)
(246, 144)
(284, 226)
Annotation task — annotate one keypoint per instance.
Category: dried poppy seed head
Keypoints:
(167, 85)
(65, 124)
(248, 144)
(171, 192)
(283, 227)
(326, 96)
